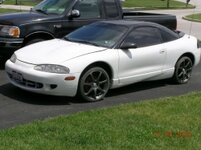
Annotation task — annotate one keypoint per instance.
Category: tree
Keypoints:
(168, 3)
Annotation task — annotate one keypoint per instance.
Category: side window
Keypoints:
(111, 9)
(169, 36)
(144, 36)
(88, 9)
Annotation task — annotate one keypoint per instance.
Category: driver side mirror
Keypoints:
(74, 13)
(128, 45)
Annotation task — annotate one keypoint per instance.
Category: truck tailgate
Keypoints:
(167, 20)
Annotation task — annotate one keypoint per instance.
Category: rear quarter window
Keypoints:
(169, 35)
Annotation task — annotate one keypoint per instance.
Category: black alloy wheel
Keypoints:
(94, 84)
(183, 70)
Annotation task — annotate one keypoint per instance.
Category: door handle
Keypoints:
(162, 51)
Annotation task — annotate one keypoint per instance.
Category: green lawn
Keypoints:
(22, 2)
(194, 17)
(154, 4)
(148, 4)
(2, 10)
(172, 123)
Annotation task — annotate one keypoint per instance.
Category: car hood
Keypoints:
(54, 51)
(21, 18)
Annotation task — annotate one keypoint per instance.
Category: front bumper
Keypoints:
(25, 77)
(9, 45)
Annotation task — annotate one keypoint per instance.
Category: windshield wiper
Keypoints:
(81, 41)
(41, 11)
(86, 42)
(67, 39)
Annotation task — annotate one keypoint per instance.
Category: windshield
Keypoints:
(99, 34)
(56, 7)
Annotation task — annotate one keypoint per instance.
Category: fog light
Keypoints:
(53, 86)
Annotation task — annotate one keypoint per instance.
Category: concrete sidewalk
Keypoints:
(196, 3)
(18, 7)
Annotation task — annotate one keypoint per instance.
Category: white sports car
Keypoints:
(103, 55)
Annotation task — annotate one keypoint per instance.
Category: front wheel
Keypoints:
(94, 84)
(183, 70)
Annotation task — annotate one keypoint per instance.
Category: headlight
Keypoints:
(13, 58)
(52, 68)
(11, 31)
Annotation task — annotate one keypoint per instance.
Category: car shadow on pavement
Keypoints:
(17, 94)
(141, 86)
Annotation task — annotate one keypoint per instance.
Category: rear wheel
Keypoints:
(94, 84)
(183, 70)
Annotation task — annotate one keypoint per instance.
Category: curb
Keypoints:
(190, 19)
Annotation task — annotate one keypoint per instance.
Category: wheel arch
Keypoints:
(40, 35)
(190, 55)
(103, 65)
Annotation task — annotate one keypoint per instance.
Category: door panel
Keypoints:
(141, 63)
(144, 61)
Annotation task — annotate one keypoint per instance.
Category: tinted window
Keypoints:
(88, 9)
(111, 9)
(144, 36)
(53, 6)
(101, 34)
(169, 35)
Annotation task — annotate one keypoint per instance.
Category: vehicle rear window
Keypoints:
(88, 9)
(111, 9)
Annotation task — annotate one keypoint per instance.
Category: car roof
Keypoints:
(130, 23)
(135, 24)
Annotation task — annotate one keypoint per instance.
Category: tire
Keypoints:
(94, 84)
(34, 41)
(183, 70)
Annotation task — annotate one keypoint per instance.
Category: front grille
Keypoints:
(26, 83)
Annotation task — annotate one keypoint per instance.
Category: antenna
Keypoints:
(191, 24)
